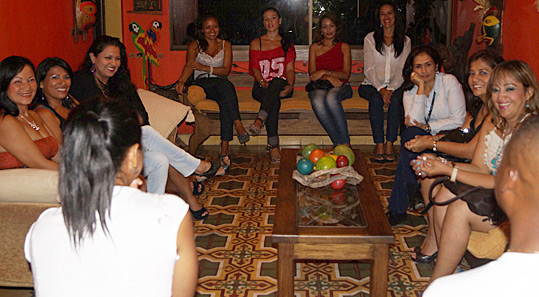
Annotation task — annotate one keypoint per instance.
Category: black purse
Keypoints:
(456, 135)
(319, 84)
(480, 201)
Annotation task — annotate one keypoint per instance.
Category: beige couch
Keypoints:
(26, 193)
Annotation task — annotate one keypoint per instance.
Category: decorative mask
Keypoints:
(490, 27)
(86, 15)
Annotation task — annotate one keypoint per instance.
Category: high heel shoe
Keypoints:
(243, 138)
(274, 158)
(422, 258)
(255, 129)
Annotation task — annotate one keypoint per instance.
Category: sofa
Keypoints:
(25, 193)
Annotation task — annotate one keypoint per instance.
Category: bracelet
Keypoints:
(434, 148)
(330, 72)
(454, 174)
(211, 69)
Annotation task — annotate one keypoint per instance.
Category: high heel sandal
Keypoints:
(243, 138)
(255, 129)
(215, 165)
(199, 215)
(274, 158)
(422, 258)
(225, 166)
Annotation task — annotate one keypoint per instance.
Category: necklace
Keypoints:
(496, 160)
(32, 123)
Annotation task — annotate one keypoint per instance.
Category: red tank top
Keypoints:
(331, 60)
(48, 147)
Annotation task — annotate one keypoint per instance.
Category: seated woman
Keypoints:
(25, 141)
(53, 102)
(479, 68)
(330, 60)
(210, 58)
(105, 72)
(514, 96)
(386, 50)
(433, 102)
(271, 63)
(110, 238)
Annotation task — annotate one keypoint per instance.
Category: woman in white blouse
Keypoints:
(385, 52)
(433, 102)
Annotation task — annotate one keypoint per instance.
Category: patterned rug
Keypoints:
(236, 256)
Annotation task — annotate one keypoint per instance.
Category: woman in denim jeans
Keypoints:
(330, 60)
(386, 50)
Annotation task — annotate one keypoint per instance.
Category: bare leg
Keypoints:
(205, 166)
(429, 246)
(379, 152)
(181, 186)
(457, 226)
(239, 127)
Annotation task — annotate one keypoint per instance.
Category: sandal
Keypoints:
(389, 157)
(223, 164)
(422, 258)
(243, 138)
(198, 188)
(200, 214)
(274, 158)
(379, 158)
(255, 129)
(215, 165)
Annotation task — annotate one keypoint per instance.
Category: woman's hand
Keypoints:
(287, 89)
(318, 75)
(198, 66)
(414, 77)
(263, 84)
(409, 122)
(386, 95)
(179, 87)
(337, 83)
(428, 165)
(420, 143)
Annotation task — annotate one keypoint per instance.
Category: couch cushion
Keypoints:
(28, 185)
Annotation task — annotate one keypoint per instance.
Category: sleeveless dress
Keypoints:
(205, 59)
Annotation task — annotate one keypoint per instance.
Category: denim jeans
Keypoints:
(223, 92)
(159, 153)
(328, 109)
(270, 104)
(376, 113)
(405, 177)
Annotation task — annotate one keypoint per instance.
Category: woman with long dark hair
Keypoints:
(210, 58)
(385, 51)
(109, 238)
(105, 72)
(25, 140)
(271, 63)
(330, 60)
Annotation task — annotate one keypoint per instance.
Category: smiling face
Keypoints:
(107, 62)
(478, 78)
(272, 21)
(328, 29)
(210, 28)
(387, 16)
(22, 87)
(509, 97)
(56, 83)
(425, 67)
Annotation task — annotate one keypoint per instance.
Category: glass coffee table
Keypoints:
(328, 224)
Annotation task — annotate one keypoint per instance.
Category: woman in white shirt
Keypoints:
(109, 238)
(385, 52)
(433, 102)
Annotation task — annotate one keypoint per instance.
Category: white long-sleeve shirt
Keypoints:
(384, 71)
(449, 110)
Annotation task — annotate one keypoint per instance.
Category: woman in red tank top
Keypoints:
(24, 139)
(330, 60)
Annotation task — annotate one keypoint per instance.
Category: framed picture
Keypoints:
(147, 5)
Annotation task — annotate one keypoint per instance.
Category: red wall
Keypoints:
(37, 29)
(463, 15)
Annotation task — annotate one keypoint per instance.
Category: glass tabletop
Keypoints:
(326, 207)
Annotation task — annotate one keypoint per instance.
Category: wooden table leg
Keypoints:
(285, 270)
(379, 271)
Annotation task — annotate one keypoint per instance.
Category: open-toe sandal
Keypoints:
(255, 129)
(244, 138)
(422, 258)
(379, 158)
(198, 188)
(389, 157)
(214, 168)
(224, 165)
(274, 158)
(200, 214)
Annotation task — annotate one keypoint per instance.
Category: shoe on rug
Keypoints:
(396, 218)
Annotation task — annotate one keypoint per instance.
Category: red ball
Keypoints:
(338, 184)
(342, 161)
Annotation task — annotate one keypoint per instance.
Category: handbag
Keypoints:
(455, 135)
(319, 84)
(480, 201)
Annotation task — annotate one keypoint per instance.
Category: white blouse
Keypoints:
(384, 71)
(449, 110)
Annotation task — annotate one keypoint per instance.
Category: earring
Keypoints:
(92, 69)
(528, 104)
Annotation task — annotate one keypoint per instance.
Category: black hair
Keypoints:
(474, 103)
(41, 73)
(9, 68)
(286, 40)
(97, 136)
(199, 35)
(120, 84)
(335, 20)
(398, 33)
(409, 64)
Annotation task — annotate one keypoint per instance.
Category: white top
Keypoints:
(449, 110)
(384, 71)
(513, 274)
(205, 59)
(494, 148)
(136, 259)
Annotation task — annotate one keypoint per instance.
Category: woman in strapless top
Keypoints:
(25, 141)
(210, 59)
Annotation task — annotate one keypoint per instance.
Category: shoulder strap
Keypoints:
(260, 39)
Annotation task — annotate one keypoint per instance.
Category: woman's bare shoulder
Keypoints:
(255, 44)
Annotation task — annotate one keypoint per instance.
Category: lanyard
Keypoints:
(431, 106)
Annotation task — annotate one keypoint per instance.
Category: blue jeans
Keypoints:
(376, 113)
(159, 153)
(223, 92)
(328, 109)
(405, 178)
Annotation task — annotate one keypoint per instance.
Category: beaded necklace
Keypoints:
(32, 123)
(497, 159)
